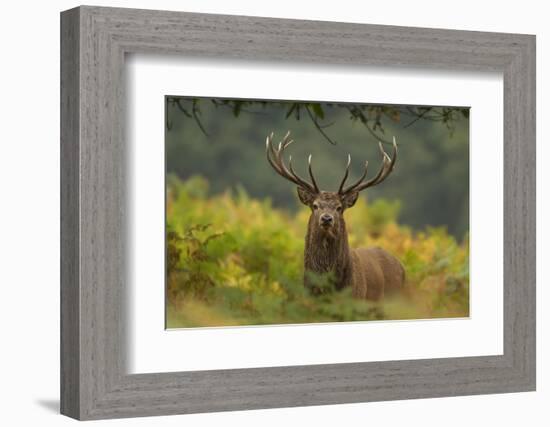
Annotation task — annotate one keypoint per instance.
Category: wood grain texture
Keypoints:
(70, 292)
(94, 382)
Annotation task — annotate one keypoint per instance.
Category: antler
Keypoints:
(387, 167)
(275, 159)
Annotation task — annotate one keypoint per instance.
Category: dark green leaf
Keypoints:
(318, 110)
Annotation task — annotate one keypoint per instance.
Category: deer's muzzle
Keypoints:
(326, 220)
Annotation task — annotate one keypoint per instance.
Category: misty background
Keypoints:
(223, 140)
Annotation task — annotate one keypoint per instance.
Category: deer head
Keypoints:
(327, 207)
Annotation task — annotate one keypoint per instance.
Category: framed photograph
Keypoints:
(262, 213)
(242, 250)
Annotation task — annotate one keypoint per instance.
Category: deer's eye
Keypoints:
(339, 209)
(315, 206)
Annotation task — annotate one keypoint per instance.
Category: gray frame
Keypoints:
(94, 41)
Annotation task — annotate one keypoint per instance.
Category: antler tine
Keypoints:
(299, 180)
(394, 154)
(388, 163)
(270, 150)
(287, 136)
(387, 166)
(345, 175)
(275, 159)
(359, 181)
(311, 174)
(385, 170)
(277, 154)
(381, 172)
(290, 174)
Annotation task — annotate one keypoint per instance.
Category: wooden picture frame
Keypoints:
(94, 382)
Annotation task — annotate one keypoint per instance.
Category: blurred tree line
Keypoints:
(223, 140)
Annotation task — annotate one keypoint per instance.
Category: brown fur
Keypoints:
(372, 273)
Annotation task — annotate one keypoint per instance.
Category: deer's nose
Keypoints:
(326, 219)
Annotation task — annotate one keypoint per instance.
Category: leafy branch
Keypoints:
(371, 116)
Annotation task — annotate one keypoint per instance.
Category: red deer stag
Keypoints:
(371, 272)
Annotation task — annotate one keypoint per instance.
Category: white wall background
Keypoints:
(29, 215)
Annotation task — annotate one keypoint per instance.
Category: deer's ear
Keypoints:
(306, 196)
(349, 199)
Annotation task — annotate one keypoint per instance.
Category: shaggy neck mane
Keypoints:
(328, 252)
